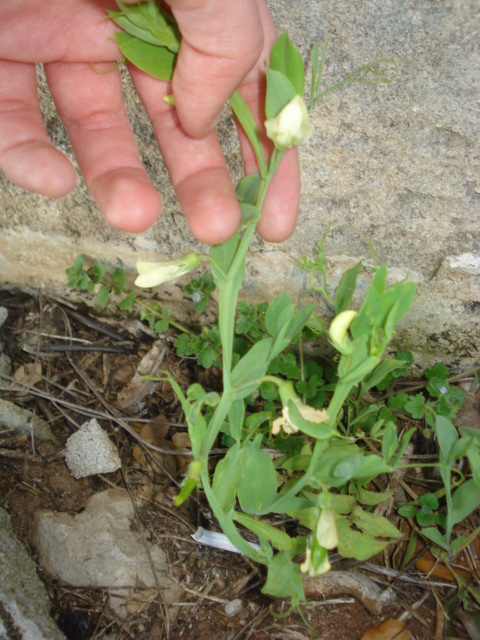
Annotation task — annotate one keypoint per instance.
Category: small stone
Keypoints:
(89, 451)
(24, 421)
(233, 608)
(99, 548)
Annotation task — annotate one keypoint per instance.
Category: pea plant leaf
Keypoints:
(245, 118)
(149, 23)
(156, 61)
(227, 477)
(280, 91)
(258, 487)
(286, 58)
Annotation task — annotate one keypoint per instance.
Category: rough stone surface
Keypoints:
(396, 162)
(23, 421)
(90, 451)
(24, 603)
(98, 548)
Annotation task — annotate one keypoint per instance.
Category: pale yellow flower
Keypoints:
(338, 331)
(290, 127)
(152, 274)
(326, 530)
(308, 565)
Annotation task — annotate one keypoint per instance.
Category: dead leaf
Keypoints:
(181, 441)
(30, 373)
(390, 629)
(138, 387)
(427, 563)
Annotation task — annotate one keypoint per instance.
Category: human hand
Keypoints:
(224, 46)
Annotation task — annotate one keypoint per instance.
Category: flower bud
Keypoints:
(316, 559)
(152, 274)
(290, 127)
(326, 531)
(338, 331)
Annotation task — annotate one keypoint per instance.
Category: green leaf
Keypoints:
(236, 417)
(286, 365)
(346, 288)
(429, 500)
(79, 262)
(407, 510)
(127, 303)
(103, 296)
(277, 537)
(284, 579)
(299, 320)
(118, 280)
(158, 62)
(372, 498)
(245, 118)
(248, 188)
(447, 436)
(279, 312)
(380, 373)
(389, 441)
(279, 93)
(322, 431)
(250, 214)
(253, 365)
(435, 536)
(222, 256)
(427, 519)
(357, 544)
(465, 500)
(227, 477)
(99, 270)
(438, 371)
(259, 483)
(149, 23)
(374, 524)
(287, 59)
(416, 406)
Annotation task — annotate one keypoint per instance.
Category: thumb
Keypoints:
(222, 41)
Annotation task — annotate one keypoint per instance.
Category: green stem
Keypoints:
(216, 422)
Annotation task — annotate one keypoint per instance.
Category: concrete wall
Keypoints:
(398, 162)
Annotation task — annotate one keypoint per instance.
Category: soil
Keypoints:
(68, 366)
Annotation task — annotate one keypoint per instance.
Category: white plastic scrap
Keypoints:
(217, 540)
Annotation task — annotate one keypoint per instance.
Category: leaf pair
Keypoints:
(285, 76)
(150, 39)
(246, 472)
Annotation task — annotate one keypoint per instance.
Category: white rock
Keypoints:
(89, 451)
(98, 548)
(233, 608)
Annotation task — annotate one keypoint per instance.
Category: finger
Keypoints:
(27, 157)
(197, 168)
(221, 42)
(66, 31)
(92, 108)
(280, 209)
